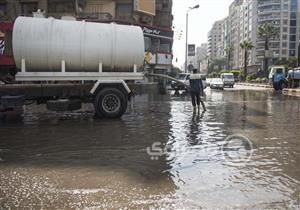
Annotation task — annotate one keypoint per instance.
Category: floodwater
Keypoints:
(244, 152)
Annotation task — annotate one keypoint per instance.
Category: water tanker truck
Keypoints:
(63, 63)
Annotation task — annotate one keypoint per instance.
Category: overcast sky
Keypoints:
(200, 22)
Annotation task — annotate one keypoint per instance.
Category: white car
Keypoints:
(203, 78)
(184, 78)
(217, 83)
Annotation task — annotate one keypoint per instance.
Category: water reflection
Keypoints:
(203, 176)
(70, 160)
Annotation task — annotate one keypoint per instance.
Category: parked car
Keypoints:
(183, 77)
(217, 83)
(208, 81)
(204, 80)
(228, 79)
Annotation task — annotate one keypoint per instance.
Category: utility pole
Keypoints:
(186, 36)
(186, 41)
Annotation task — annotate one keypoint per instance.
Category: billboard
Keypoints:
(145, 6)
(191, 50)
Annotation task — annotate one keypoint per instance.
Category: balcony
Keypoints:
(268, 3)
(269, 18)
(96, 16)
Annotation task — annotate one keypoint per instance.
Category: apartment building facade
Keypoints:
(243, 21)
(215, 40)
(248, 31)
(234, 31)
(284, 15)
(153, 16)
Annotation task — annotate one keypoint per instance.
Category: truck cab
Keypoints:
(228, 79)
(277, 77)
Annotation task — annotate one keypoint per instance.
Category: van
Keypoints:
(228, 79)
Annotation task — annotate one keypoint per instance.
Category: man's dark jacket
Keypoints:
(196, 85)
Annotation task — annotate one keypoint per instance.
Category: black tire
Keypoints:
(283, 85)
(276, 86)
(110, 103)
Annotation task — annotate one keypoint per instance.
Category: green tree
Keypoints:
(229, 50)
(217, 64)
(267, 31)
(290, 63)
(246, 46)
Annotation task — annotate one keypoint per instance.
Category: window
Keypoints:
(292, 45)
(147, 43)
(284, 37)
(124, 11)
(293, 15)
(284, 29)
(293, 23)
(58, 6)
(2, 9)
(284, 44)
(155, 43)
(27, 8)
(284, 52)
(292, 52)
(293, 38)
(293, 30)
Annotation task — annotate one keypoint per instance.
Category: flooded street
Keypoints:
(159, 155)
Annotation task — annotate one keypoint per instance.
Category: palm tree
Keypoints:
(228, 50)
(246, 46)
(267, 31)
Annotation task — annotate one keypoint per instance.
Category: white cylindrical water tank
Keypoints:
(45, 43)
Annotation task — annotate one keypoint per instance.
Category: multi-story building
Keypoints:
(215, 40)
(153, 16)
(234, 22)
(282, 14)
(201, 53)
(243, 21)
(200, 56)
(248, 31)
(225, 37)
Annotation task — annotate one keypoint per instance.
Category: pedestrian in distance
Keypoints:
(196, 89)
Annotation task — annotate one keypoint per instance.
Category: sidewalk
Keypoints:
(255, 85)
(291, 92)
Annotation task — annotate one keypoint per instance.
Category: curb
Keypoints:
(255, 85)
(291, 92)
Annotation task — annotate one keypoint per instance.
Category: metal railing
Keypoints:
(95, 16)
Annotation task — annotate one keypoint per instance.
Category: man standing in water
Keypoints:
(196, 89)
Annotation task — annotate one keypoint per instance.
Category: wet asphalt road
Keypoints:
(244, 152)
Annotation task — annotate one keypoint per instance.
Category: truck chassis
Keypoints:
(108, 91)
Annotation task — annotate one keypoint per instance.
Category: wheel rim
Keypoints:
(111, 103)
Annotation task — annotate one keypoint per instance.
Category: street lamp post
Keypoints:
(186, 38)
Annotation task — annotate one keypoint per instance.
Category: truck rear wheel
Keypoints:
(110, 103)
